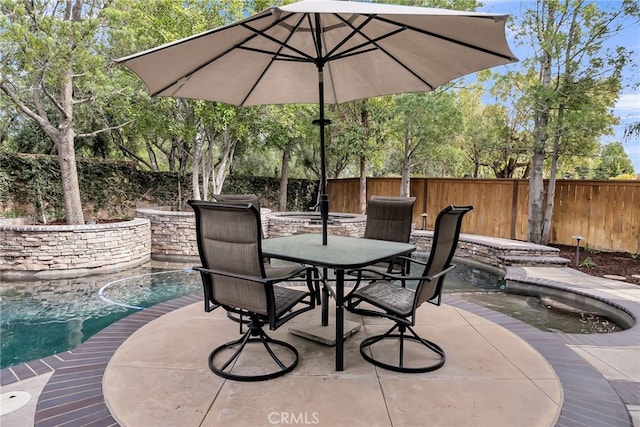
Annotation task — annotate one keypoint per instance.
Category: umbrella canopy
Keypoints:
(325, 51)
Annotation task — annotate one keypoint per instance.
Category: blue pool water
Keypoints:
(42, 318)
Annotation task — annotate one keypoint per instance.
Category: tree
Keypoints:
(51, 69)
(632, 130)
(426, 124)
(188, 133)
(613, 162)
(281, 129)
(358, 134)
(568, 36)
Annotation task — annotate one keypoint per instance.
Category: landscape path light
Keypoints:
(578, 237)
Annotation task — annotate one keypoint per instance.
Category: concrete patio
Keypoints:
(491, 378)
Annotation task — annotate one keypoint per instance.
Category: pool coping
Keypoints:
(73, 394)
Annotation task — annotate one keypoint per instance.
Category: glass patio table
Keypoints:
(340, 254)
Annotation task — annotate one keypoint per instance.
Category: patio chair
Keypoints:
(393, 298)
(238, 199)
(388, 218)
(269, 263)
(235, 277)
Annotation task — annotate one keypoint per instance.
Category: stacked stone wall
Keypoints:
(173, 234)
(489, 250)
(45, 251)
(38, 251)
(289, 223)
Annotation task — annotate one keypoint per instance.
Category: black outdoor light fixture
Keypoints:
(578, 237)
(424, 220)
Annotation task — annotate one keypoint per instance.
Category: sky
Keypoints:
(627, 109)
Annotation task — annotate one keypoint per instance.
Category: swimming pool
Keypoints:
(41, 318)
(38, 319)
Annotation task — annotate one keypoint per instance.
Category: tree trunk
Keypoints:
(406, 167)
(69, 175)
(362, 199)
(152, 157)
(219, 172)
(195, 170)
(66, 152)
(551, 189)
(536, 179)
(284, 178)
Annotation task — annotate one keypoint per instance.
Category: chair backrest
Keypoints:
(445, 241)
(238, 199)
(229, 240)
(389, 218)
(242, 199)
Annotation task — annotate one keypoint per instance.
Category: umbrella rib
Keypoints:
(447, 39)
(278, 56)
(355, 50)
(186, 76)
(282, 44)
(374, 42)
(274, 55)
(350, 36)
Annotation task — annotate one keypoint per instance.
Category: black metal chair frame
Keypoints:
(242, 199)
(428, 289)
(400, 218)
(280, 301)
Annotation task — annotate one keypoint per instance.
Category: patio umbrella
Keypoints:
(325, 51)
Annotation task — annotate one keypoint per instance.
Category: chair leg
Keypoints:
(402, 335)
(238, 318)
(316, 278)
(254, 334)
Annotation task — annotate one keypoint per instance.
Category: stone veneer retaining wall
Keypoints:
(173, 237)
(173, 233)
(68, 251)
(494, 251)
(55, 251)
(289, 223)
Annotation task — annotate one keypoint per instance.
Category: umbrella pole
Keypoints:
(324, 197)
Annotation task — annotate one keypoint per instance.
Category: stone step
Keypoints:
(533, 261)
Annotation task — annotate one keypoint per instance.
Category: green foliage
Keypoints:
(425, 129)
(453, 133)
(613, 162)
(588, 263)
(301, 193)
(112, 189)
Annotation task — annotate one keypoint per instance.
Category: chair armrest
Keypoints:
(255, 278)
(403, 277)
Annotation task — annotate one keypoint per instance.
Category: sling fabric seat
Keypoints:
(388, 218)
(273, 267)
(234, 277)
(394, 298)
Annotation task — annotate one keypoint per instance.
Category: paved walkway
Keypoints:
(150, 370)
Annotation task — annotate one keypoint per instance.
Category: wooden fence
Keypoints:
(605, 213)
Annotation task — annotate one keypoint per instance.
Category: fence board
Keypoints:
(606, 213)
(344, 195)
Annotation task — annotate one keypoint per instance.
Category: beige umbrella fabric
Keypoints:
(325, 51)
